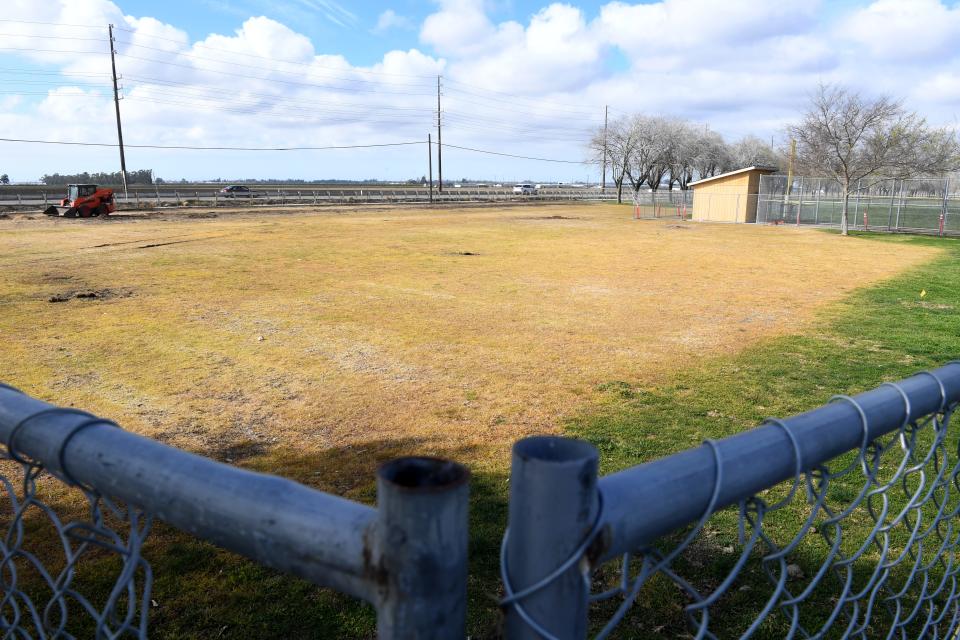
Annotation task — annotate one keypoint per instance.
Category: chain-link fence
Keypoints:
(408, 556)
(837, 523)
(840, 522)
(918, 205)
(662, 203)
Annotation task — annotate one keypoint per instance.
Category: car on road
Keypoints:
(236, 191)
(524, 189)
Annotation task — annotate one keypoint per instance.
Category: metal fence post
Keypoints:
(816, 210)
(554, 506)
(800, 202)
(893, 193)
(900, 202)
(946, 197)
(421, 548)
(856, 208)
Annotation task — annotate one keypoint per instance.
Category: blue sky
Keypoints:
(520, 77)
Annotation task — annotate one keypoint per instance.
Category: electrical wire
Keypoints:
(298, 114)
(277, 80)
(324, 148)
(511, 155)
(251, 66)
(53, 24)
(199, 148)
(48, 37)
(307, 101)
(32, 50)
(280, 60)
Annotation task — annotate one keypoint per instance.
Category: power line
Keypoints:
(510, 155)
(323, 148)
(251, 55)
(277, 80)
(147, 84)
(198, 148)
(249, 66)
(54, 24)
(290, 112)
(47, 36)
(68, 74)
(558, 106)
(32, 50)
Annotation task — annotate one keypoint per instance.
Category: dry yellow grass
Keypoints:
(373, 333)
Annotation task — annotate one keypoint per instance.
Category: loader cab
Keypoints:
(76, 191)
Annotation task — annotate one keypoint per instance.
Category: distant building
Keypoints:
(729, 197)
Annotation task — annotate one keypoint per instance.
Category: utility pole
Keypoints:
(430, 165)
(116, 104)
(606, 113)
(439, 142)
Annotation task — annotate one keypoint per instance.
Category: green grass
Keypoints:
(881, 333)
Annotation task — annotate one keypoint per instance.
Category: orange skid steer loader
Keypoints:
(84, 201)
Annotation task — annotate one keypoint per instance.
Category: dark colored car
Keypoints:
(236, 191)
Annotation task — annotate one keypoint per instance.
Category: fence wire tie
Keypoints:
(513, 598)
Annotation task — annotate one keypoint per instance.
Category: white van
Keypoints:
(524, 189)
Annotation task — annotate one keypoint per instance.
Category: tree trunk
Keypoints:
(844, 224)
(620, 190)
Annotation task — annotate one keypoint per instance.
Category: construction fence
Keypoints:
(838, 522)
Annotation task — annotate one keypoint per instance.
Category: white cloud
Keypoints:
(895, 30)
(390, 19)
(744, 66)
(694, 27)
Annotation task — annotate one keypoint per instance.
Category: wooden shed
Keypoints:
(729, 197)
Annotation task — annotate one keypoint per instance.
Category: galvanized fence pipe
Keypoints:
(757, 459)
(564, 522)
(390, 556)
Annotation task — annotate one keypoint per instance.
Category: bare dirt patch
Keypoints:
(553, 217)
(90, 294)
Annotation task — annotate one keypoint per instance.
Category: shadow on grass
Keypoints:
(201, 591)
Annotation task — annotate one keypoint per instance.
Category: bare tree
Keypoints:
(710, 155)
(651, 152)
(751, 151)
(616, 146)
(850, 138)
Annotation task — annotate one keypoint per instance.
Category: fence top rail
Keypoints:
(278, 522)
(735, 468)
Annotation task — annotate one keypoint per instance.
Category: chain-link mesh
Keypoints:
(77, 578)
(917, 205)
(864, 546)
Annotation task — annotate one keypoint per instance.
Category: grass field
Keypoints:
(317, 345)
